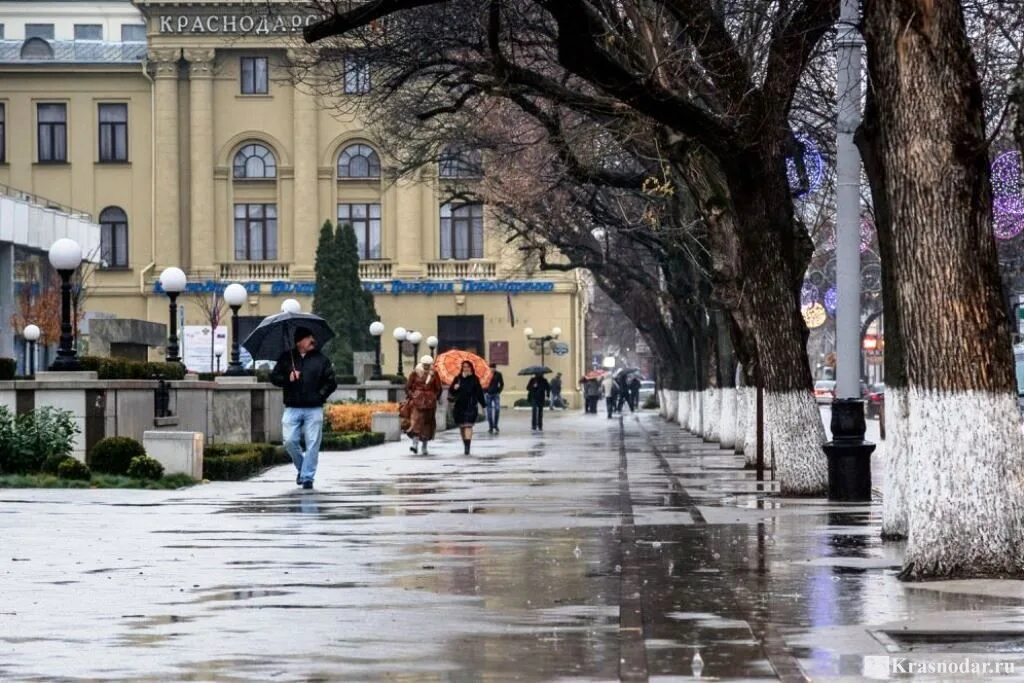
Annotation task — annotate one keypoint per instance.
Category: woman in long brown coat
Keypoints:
(422, 391)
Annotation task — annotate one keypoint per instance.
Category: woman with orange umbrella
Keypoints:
(422, 390)
(467, 394)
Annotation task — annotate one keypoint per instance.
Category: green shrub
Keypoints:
(263, 375)
(52, 462)
(347, 379)
(232, 467)
(118, 368)
(207, 376)
(145, 467)
(350, 441)
(114, 454)
(70, 468)
(8, 368)
(521, 403)
(395, 379)
(28, 440)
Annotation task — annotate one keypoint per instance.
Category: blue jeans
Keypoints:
(493, 402)
(309, 424)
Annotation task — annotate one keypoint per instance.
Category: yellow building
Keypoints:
(179, 128)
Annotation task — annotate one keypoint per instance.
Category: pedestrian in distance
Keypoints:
(622, 390)
(610, 389)
(466, 394)
(592, 394)
(538, 389)
(634, 394)
(556, 391)
(492, 394)
(307, 377)
(421, 392)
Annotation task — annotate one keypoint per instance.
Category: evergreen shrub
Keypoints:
(145, 467)
(70, 468)
(114, 454)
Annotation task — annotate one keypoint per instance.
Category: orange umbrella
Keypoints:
(449, 365)
(595, 374)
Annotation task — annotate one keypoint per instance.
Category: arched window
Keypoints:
(358, 161)
(114, 237)
(36, 48)
(459, 162)
(255, 161)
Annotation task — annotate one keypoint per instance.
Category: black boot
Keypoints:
(465, 443)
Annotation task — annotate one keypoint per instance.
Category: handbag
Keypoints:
(405, 408)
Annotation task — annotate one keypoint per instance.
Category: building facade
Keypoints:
(181, 128)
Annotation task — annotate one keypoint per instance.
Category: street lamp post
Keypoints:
(376, 329)
(218, 351)
(291, 306)
(432, 345)
(173, 282)
(415, 338)
(31, 334)
(543, 340)
(400, 335)
(65, 257)
(235, 295)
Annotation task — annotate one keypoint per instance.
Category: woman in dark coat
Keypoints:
(468, 396)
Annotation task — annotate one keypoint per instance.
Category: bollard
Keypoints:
(849, 455)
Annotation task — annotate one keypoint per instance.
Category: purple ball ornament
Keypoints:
(813, 165)
(1008, 203)
(831, 300)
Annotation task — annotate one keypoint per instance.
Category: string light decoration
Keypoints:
(814, 316)
(867, 236)
(814, 166)
(808, 294)
(1008, 203)
(831, 300)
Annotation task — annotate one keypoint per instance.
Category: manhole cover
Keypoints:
(961, 642)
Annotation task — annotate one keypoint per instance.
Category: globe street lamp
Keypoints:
(415, 338)
(173, 282)
(31, 335)
(218, 351)
(376, 329)
(542, 340)
(65, 257)
(291, 306)
(235, 295)
(432, 345)
(400, 334)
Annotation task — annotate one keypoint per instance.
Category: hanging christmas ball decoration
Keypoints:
(814, 316)
(814, 167)
(831, 300)
(808, 294)
(1008, 201)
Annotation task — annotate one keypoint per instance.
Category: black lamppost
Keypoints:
(400, 334)
(31, 334)
(173, 282)
(377, 329)
(415, 338)
(543, 339)
(432, 345)
(235, 295)
(65, 257)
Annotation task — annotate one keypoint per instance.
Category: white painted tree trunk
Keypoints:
(740, 428)
(684, 408)
(894, 483)
(690, 415)
(714, 413)
(794, 423)
(672, 409)
(727, 417)
(750, 433)
(663, 402)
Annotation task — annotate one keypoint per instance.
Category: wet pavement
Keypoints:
(598, 550)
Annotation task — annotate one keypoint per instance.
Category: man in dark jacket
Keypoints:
(537, 391)
(492, 394)
(307, 377)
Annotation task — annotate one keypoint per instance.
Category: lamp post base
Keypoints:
(66, 364)
(849, 455)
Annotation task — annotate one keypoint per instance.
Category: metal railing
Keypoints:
(462, 270)
(254, 270)
(45, 202)
(374, 270)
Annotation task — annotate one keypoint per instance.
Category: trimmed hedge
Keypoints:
(347, 379)
(237, 461)
(70, 468)
(114, 454)
(117, 368)
(8, 368)
(350, 442)
(145, 467)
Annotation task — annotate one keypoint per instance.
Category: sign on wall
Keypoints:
(257, 23)
(497, 352)
(199, 342)
(395, 287)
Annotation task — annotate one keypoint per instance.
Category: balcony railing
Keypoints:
(260, 271)
(462, 270)
(375, 270)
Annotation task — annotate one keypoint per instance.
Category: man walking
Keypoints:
(556, 391)
(537, 391)
(307, 377)
(610, 389)
(492, 395)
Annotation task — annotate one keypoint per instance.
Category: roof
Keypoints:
(75, 52)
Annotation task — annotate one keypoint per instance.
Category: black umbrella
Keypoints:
(535, 369)
(276, 334)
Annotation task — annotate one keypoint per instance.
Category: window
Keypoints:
(44, 31)
(462, 231)
(365, 222)
(358, 161)
(114, 237)
(133, 33)
(254, 76)
(255, 161)
(52, 133)
(88, 32)
(255, 232)
(113, 132)
(357, 75)
(458, 162)
(36, 48)
(3, 133)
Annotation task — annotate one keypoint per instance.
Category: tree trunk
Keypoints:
(896, 476)
(726, 382)
(964, 447)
